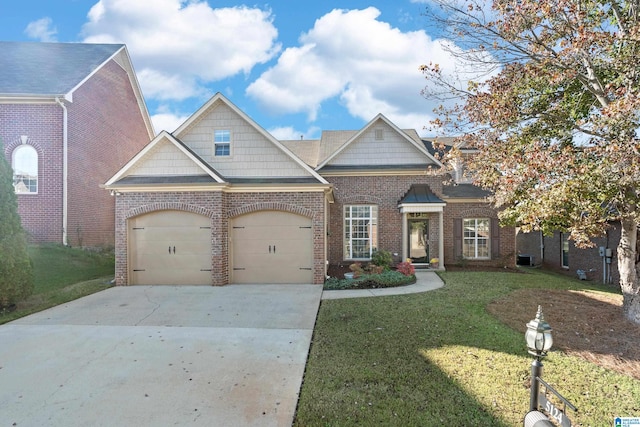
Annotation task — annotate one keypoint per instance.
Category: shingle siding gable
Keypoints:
(367, 149)
(252, 154)
(165, 159)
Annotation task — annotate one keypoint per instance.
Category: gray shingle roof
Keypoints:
(166, 179)
(463, 191)
(30, 68)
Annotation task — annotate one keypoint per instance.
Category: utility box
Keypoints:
(525, 260)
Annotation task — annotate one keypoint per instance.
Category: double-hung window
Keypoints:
(475, 238)
(24, 161)
(222, 143)
(360, 231)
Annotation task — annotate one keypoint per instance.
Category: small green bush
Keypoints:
(382, 259)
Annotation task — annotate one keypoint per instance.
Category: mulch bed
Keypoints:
(586, 324)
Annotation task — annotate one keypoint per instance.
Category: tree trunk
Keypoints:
(628, 271)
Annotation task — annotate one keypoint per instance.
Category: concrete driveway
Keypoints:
(160, 356)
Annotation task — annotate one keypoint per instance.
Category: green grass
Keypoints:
(62, 274)
(439, 359)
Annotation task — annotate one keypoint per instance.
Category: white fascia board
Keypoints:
(421, 207)
(69, 95)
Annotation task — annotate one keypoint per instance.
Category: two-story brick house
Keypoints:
(71, 114)
(220, 200)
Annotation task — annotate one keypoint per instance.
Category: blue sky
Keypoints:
(296, 67)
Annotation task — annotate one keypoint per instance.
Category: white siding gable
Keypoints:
(165, 159)
(380, 145)
(252, 154)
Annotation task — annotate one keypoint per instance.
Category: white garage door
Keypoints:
(170, 248)
(271, 247)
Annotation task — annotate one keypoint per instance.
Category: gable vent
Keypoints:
(379, 134)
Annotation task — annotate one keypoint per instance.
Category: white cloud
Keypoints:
(42, 30)
(161, 85)
(178, 46)
(366, 63)
(167, 121)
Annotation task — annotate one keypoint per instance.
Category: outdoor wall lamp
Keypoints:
(539, 341)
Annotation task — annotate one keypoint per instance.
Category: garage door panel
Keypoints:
(271, 218)
(170, 247)
(269, 232)
(272, 247)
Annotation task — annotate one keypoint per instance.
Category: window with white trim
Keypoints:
(475, 238)
(24, 161)
(360, 231)
(221, 142)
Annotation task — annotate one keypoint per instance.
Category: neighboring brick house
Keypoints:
(220, 201)
(557, 252)
(71, 114)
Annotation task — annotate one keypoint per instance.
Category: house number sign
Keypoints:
(413, 215)
(554, 412)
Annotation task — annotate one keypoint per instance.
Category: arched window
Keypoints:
(24, 162)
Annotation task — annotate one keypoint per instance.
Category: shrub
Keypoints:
(374, 269)
(356, 269)
(406, 268)
(16, 271)
(382, 259)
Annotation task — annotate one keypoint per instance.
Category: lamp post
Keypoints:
(539, 341)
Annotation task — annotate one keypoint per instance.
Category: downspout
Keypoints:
(541, 247)
(65, 170)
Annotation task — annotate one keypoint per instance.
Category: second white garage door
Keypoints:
(271, 247)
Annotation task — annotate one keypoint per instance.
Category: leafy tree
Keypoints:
(16, 272)
(555, 117)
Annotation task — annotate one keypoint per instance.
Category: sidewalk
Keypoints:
(425, 281)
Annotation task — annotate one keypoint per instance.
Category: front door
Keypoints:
(418, 240)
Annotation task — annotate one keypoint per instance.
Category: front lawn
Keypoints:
(441, 358)
(62, 274)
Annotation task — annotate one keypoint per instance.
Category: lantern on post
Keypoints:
(539, 341)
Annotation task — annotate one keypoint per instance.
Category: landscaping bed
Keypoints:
(380, 272)
(387, 279)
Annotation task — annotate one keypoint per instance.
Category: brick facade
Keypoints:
(586, 259)
(105, 129)
(41, 213)
(383, 191)
(221, 207)
(386, 192)
(507, 237)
